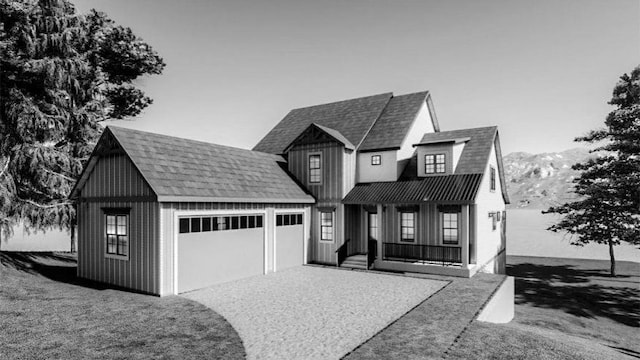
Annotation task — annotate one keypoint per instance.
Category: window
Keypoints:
(492, 178)
(407, 226)
(434, 164)
(376, 160)
(196, 224)
(326, 226)
(117, 233)
(288, 219)
(315, 169)
(450, 233)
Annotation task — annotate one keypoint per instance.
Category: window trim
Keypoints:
(492, 178)
(309, 156)
(333, 228)
(378, 158)
(435, 163)
(126, 212)
(442, 228)
(414, 220)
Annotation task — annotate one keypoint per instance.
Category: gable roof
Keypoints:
(352, 118)
(474, 156)
(333, 134)
(369, 123)
(187, 170)
(449, 189)
(394, 123)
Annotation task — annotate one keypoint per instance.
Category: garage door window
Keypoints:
(288, 219)
(196, 224)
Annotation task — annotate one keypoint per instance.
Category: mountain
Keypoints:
(541, 180)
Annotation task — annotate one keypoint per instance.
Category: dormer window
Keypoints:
(376, 160)
(434, 164)
(315, 168)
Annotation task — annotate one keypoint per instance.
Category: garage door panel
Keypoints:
(289, 246)
(208, 258)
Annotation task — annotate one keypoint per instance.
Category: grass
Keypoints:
(565, 309)
(430, 328)
(47, 313)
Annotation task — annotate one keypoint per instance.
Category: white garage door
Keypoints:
(216, 249)
(289, 241)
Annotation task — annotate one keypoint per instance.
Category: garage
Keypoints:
(289, 244)
(220, 248)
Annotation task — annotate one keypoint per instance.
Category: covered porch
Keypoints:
(410, 230)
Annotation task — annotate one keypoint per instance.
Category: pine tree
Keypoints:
(608, 208)
(62, 75)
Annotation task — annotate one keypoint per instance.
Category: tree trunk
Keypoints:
(613, 259)
(73, 239)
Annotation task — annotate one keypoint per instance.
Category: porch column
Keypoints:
(381, 230)
(464, 230)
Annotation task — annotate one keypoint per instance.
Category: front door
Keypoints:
(372, 230)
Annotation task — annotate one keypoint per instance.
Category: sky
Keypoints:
(542, 70)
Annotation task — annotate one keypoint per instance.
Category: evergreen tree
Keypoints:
(607, 211)
(61, 75)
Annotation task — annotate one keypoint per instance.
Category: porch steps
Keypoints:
(355, 262)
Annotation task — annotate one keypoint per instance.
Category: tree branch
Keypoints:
(44, 206)
(61, 175)
(5, 167)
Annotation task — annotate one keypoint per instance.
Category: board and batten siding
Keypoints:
(338, 178)
(115, 178)
(168, 231)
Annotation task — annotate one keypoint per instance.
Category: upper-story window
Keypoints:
(315, 168)
(492, 178)
(434, 164)
(376, 159)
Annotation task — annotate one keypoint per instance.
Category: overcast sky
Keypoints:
(541, 70)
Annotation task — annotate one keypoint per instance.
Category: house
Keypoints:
(366, 183)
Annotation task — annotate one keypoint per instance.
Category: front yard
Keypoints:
(49, 314)
(565, 309)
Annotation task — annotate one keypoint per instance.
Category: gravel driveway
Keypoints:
(312, 312)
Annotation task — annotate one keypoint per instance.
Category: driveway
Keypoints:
(313, 312)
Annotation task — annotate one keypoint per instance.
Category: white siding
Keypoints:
(386, 171)
(456, 152)
(489, 242)
(421, 126)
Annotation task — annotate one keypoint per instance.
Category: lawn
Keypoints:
(565, 309)
(47, 313)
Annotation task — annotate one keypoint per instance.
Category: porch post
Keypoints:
(464, 229)
(381, 230)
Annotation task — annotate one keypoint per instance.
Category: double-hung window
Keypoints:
(450, 233)
(434, 164)
(117, 232)
(326, 226)
(315, 168)
(407, 226)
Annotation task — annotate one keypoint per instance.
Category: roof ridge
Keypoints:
(192, 140)
(390, 94)
(374, 122)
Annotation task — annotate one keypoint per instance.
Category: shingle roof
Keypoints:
(187, 170)
(476, 151)
(352, 118)
(395, 122)
(474, 157)
(440, 189)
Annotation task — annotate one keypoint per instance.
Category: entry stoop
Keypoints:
(355, 262)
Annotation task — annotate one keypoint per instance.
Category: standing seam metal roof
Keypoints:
(441, 189)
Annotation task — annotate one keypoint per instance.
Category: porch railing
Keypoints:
(342, 252)
(411, 252)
